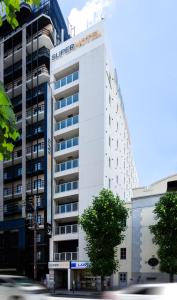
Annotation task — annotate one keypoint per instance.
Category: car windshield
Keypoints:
(23, 281)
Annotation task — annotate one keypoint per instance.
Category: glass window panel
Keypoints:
(68, 255)
(75, 185)
(69, 100)
(74, 229)
(68, 228)
(75, 205)
(68, 164)
(68, 207)
(75, 163)
(69, 78)
(62, 229)
(75, 141)
(62, 146)
(75, 97)
(62, 209)
(62, 166)
(62, 188)
(68, 186)
(63, 81)
(69, 143)
(69, 121)
(75, 75)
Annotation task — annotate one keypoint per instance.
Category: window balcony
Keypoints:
(34, 112)
(45, 39)
(17, 155)
(66, 229)
(42, 74)
(35, 185)
(34, 149)
(70, 164)
(67, 144)
(10, 209)
(64, 256)
(66, 80)
(17, 190)
(67, 122)
(67, 101)
(68, 186)
(66, 208)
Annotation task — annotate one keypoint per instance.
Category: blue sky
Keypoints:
(143, 39)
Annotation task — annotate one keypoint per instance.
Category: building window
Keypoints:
(19, 171)
(109, 141)
(38, 238)
(5, 175)
(39, 219)
(39, 255)
(109, 120)
(38, 201)
(109, 162)
(123, 253)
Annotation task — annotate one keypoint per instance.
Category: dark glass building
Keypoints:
(25, 179)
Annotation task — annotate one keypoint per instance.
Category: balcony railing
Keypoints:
(65, 256)
(66, 208)
(67, 144)
(12, 208)
(70, 164)
(35, 185)
(66, 229)
(66, 80)
(43, 31)
(30, 76)
(67, 101)
(15, 190)
(68, 186)
(67, 122)
(33, 112)
(37, 147)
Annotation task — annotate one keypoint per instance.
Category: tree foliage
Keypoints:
(8, 131)
(10, 8)
(104, 223)
(165, 232)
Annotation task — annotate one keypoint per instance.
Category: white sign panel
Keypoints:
(58, 265)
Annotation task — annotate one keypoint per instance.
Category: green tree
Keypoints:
(8, 132)
(10, 8)
(104, 223)
(165, 233)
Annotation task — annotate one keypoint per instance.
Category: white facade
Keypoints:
(143, 249)
(91, 144)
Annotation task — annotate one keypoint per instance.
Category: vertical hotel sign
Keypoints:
(82, 42)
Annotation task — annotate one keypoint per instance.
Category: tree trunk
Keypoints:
(102, 283)
(171, 277)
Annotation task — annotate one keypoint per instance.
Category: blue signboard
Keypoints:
(79, 265)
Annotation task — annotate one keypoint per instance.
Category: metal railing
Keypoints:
(67, 144)
(66, 80)
(35, 184)
(66, 208)
(35, 110)
(66, 229)
(67, 122)
(68, 186)
(30, 76)
(43, 31)
(65, 256)
(70, 164)
(67, 101)
(34, 148)
(15, 190)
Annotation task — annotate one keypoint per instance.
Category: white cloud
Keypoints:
(89, 14)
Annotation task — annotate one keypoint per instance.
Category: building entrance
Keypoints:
(61, 279)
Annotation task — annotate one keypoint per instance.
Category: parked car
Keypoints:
(20, 288)
(167, 291)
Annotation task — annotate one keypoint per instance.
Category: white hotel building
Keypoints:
(91, 148)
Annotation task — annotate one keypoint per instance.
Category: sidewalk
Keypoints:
(79, 294)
